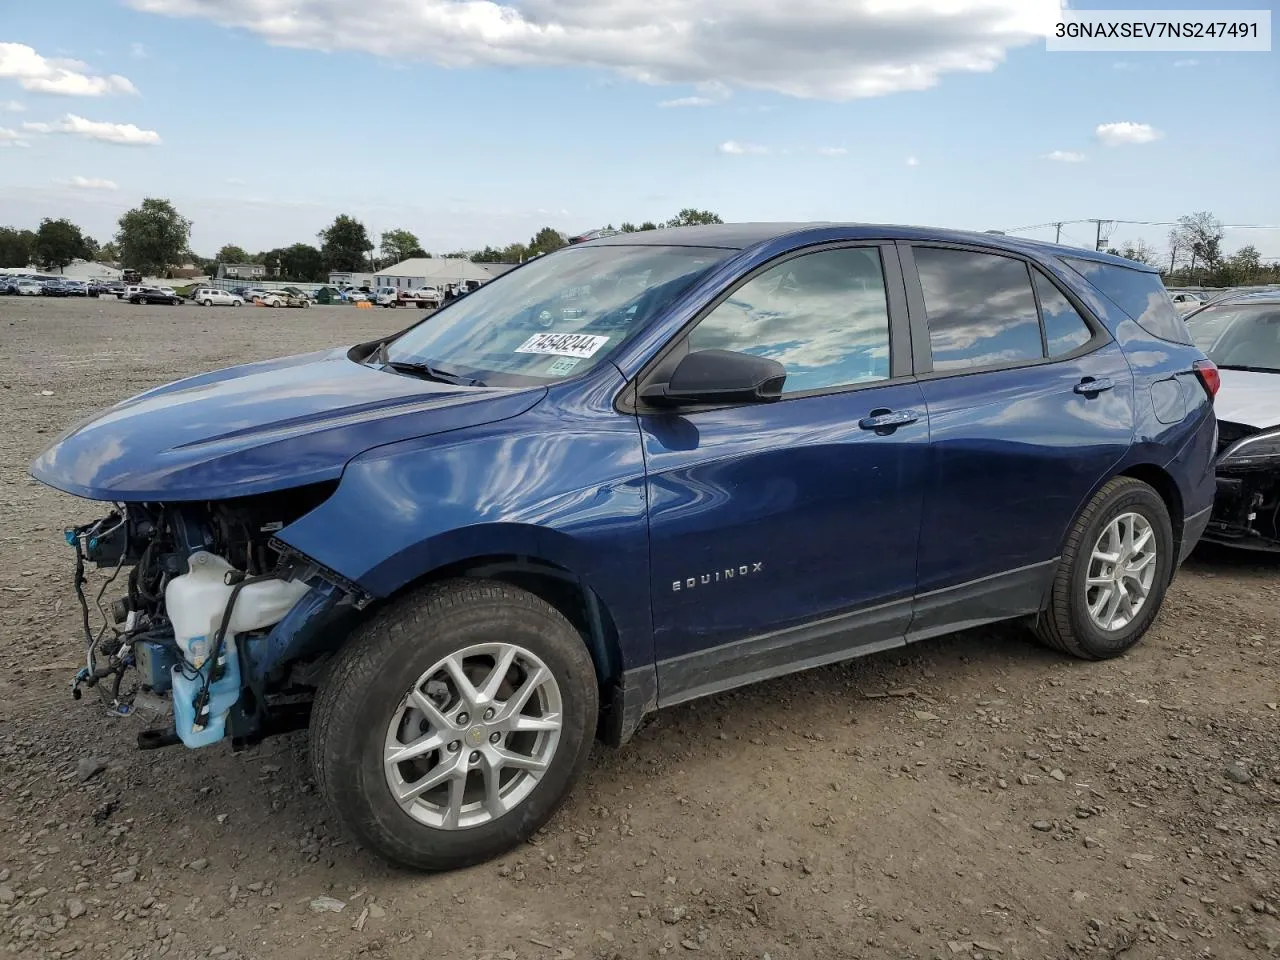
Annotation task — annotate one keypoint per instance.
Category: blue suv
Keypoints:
(646, 468)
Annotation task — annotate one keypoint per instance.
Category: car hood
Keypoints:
(259, 427)
(1249, 397)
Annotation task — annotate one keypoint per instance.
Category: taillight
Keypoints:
(1210, 379)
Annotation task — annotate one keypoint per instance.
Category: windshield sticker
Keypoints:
(563, 365)
(580, 345)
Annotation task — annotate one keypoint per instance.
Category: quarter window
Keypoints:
(824, 316)
(980, 309)
(1064, 328)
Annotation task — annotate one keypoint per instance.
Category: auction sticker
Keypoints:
(580, 345)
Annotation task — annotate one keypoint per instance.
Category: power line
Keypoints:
(1143, 223)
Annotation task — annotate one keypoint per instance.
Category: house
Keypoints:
(241, 271)
(432, 271)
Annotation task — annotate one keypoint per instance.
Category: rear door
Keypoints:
(783, 534)
(1030, 406)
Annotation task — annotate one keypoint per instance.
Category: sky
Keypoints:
(474, 122)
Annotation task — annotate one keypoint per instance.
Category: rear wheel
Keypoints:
(208, 303)
(453, 724)
(1112, 578)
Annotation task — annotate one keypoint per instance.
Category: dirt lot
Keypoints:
(974, 796)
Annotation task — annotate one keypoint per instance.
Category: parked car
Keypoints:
(1242, 336)
(130, 290)
(748, 450)
(155, 295)
(254, 294)
(28, 288)
(213, 297)
(1184, 301)
(54, 287)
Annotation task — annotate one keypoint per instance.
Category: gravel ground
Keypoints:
(973, 796)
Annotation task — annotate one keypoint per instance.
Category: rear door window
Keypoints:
(980, 308)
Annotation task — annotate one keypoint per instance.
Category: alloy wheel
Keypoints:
(1122, 569)
(473, 736)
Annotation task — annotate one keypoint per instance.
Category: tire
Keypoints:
(237, 303)
(366, 688)
(1067, 624)
(208, 303)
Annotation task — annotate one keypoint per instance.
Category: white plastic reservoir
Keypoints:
(197, 600)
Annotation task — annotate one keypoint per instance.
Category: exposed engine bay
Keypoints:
(1246, 510)
(216, 626)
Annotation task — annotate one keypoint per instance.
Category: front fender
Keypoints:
(563, 483)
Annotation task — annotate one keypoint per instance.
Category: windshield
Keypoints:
(559, 315)
(1236, 335)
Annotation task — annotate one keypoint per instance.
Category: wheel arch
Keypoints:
(571, 595)
(1160, 480)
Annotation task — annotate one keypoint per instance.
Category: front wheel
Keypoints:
(1111, 580)
(208, 303)
(453, 724)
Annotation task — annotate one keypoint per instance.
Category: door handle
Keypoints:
(1089, 386)
(888, 419)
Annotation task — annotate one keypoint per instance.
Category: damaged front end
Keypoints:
(216, 630)
(1246, 510)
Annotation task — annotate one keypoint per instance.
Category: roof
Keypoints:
(437, 268)
(740, 236)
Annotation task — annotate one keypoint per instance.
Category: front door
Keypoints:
(783, 534)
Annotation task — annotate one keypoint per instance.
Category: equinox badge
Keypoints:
(719, 576)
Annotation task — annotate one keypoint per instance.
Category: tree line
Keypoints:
(1195, 256)
(155, 238)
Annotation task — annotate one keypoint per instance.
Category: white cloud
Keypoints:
(1186, 63)
(123, 133)
(689, 102)
(913, 161)
(1065, 156)
(832, 151)
(832, 49)
(11, 106)
(11, 138)
(90, 183)
(61, 76)
(1116, 134)
(735, 149)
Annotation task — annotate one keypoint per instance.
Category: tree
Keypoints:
(153, 236)
(57, 243)
(303, 262)
(1176, 247)
(1243, 267)
(690, 217)
(545, 241)
(397, 246)
(15, 247)
(1202, 234)
(1140, 251)
(109, 252)
(345, 245)
(230, 253)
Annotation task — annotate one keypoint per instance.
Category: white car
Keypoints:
(211, 297)
(1241, 335)
(129, 291)
(387, 297)
(29, 288)
(253, 294)
(1185, 302)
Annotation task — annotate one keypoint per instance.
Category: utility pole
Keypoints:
(1057, 236)
(1098, 245)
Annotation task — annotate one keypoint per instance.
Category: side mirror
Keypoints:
(719, 376)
